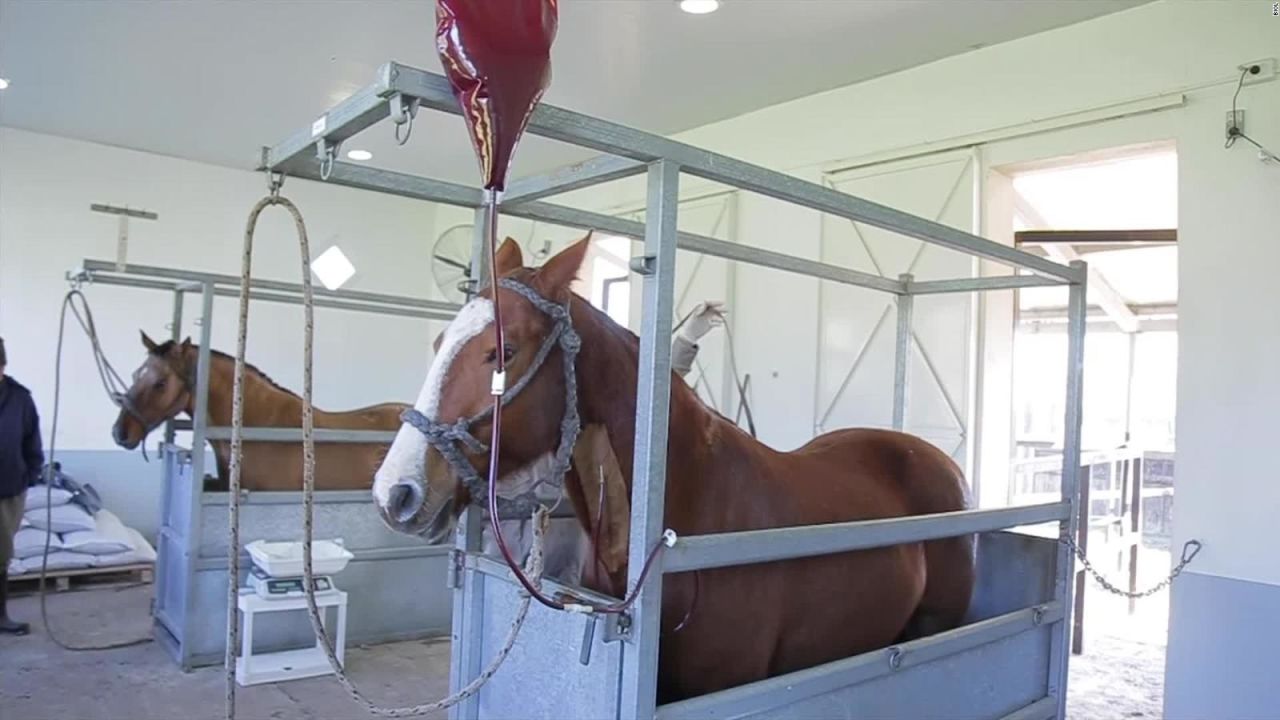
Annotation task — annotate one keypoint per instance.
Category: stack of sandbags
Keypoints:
(139, 551)
(110, 543)
(49, 515)
(76, 537)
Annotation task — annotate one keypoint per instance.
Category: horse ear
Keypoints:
(186, 345)
(607, 502)
(562, 269)
(147, 342)
(510, 258)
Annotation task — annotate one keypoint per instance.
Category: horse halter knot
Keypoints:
(448, 437)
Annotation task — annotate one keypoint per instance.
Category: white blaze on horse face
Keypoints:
(407, 458)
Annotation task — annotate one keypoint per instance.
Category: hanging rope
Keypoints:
(533, 565)
(115, 389)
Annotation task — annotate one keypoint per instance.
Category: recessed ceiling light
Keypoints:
(333, 268)
(359, 154)
(699, 7)
(3, 83)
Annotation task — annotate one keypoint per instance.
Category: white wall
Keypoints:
(46, 228)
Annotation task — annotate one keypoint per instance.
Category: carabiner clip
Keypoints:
(1190, 550)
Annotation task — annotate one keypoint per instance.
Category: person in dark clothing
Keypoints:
(21, 460)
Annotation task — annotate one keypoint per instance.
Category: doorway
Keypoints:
(1116, 210)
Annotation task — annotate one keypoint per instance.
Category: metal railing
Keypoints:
(631, 152)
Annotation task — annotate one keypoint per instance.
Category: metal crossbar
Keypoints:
(293, 435)
(162, 278)
(297, 156)
(699, 552)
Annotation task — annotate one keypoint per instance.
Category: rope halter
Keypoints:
(450, 438)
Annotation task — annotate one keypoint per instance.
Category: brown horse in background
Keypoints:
(722, 627)
(164, 386)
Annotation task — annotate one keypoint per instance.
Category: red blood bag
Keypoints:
(497, 56)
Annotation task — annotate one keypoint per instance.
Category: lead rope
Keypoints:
(108, 375)
(533, 565)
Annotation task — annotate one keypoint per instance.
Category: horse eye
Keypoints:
(160, 385)
(508, 352)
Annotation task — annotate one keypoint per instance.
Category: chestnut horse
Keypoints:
(164, 386)
(722, 627)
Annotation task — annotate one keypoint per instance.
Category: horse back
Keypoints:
(927, 478)
(385, 416)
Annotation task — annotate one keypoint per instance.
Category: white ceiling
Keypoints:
(213, 81)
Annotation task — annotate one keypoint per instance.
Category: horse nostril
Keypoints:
(404, 501)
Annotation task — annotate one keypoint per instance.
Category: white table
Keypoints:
(287, 664)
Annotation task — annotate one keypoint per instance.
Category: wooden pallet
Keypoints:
(61, 580)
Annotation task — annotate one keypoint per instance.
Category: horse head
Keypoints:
(160, 390)
(429, 474)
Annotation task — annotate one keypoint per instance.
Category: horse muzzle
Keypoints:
(122, 437)
(407, 511)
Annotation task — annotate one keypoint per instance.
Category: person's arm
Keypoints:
(683, 351)
(684, 348)
(32, 444)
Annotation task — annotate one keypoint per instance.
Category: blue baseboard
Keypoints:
(129, 486)
(1224, 650)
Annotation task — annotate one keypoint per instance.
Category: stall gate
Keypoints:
(395, 584)
(998, 667)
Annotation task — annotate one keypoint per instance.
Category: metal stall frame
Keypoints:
(175, 630)
(311, 153)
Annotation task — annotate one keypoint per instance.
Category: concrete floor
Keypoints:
(40, 680)
(1118, 677)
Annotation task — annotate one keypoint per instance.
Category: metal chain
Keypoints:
(1189, 551)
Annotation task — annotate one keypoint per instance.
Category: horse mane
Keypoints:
(163, 349)
(631, 342)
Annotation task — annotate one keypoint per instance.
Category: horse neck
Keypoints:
(608, 373)
(264, 404)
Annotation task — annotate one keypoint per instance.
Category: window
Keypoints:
(609, 277)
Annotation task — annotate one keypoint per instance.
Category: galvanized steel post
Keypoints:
(175, 334)
(199, 423)
(653, 401)
(466, 650)
(1071, 476)
(902, 354)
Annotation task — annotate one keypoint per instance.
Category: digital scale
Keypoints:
(275, 585)
(275, 588)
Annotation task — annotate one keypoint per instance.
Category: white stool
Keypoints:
(287, 664)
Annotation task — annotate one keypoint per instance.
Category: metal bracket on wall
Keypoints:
(122, 229)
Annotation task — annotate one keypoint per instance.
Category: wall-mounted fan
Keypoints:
(451, 262)
(451, 259)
